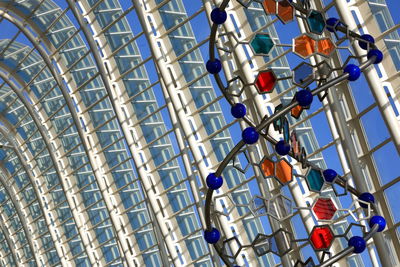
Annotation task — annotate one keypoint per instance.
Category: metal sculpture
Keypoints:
(280, 207)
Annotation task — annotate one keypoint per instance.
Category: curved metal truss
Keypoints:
(104, 153)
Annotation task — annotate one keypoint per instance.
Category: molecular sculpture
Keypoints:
(276, 166)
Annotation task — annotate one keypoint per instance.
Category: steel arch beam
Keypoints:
(78, 125)
(165, 66)
(39, 196)
(134, 149)
(80, 130)
(32, 113)
(22, 218)
(9, 243)
(14, 202)
(105, 50)
(89, 152)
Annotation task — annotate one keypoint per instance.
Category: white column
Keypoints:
(372, 78)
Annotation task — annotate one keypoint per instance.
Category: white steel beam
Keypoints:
(372, 78)
(10, 244)
(167, 69)
(54, 158)
(24, 215)
(90, 151)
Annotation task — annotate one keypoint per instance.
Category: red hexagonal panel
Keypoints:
(265, 81)
(321, 237)
(324, 209)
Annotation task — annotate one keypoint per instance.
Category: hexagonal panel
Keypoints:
(303, 75)
(264, 244)
(269, 7)
(295, 144)
(236, 86)
(324, 208)
(258, 206)
(268, 167)
(280, 207)
(352, 210)
(316, 22)
(285, 11)
(279, 121)
(224, 205)
(308, 263)
(304, 46)
(265, 81)
(296, 111)
(321, 237)
(325, 47)
(324, 70)
(261, 244)
(262, 44)
(241, 161)
(231, 247)
(315, 180)
(281, 170)
(285, 130)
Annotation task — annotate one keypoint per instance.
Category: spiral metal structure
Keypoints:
(262, 244)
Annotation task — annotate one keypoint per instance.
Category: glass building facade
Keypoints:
(110, 124)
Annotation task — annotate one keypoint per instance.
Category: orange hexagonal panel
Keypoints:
(285, 11)
(304, 46)
(296, 111)
(267, 166)
(283, 171)
(265, 81)
(325, 47)
(269, 7)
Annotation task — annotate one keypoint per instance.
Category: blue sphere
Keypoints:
(368, 38)
(304, 97)
(332, 23)
(214, 67)
(212, 236)
(218, 16)
(282, 148)
(250, 135)
(358, 243)
(353, 71)
(367, 197)
(378, 220)
(214, 182)
(377, 53)
(238, 110)
(329, 175)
